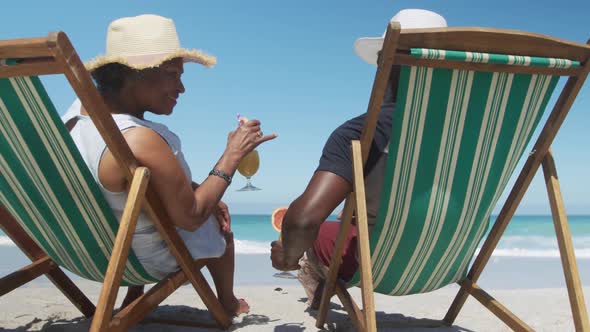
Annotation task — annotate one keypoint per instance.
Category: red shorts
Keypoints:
(325, 242)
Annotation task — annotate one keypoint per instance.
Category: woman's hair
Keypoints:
(111, 77)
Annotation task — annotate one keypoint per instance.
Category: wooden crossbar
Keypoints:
(495, 307)
(26, 274)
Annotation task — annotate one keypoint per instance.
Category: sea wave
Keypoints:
(536, 253)
(244, 247)
(540, 242)
(249, 247)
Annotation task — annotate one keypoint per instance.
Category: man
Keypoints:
(304, 229)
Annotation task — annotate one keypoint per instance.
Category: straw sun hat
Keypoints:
(368, 47)
(145, 41)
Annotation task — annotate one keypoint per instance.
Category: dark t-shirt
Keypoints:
(337, 154)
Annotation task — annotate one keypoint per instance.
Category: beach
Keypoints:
(524, 273)
(533, 289)
(283, 308)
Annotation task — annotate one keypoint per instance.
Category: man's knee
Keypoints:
(303, 217)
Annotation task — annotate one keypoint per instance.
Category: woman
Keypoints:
(142, 73)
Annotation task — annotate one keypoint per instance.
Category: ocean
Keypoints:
(526, 236)
(527, 256)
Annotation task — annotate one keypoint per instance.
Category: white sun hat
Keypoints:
(145, 41)
(368, 47)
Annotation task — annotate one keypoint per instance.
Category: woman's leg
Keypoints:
(222, 272)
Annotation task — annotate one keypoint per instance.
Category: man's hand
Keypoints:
(277, 256)
(223, 218)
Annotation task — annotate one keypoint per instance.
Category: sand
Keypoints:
(41, 307)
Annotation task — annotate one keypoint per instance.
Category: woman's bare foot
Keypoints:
(244, 307)
(237, 307)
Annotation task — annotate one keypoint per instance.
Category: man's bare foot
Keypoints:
(133, 292)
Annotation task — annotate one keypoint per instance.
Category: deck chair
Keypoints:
(51, 206)
(468, 102)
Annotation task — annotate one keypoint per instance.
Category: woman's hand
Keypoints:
(223, 218)
(246, 138)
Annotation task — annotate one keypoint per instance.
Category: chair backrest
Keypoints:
(457, 137)
(46, 186)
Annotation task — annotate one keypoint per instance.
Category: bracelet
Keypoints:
(222, 175)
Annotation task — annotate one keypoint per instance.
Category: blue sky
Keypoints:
(292, 65)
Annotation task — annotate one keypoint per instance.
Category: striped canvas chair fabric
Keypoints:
(456, 139)
(47, 187)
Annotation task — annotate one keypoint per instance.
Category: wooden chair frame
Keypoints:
(395, 51)
(56, 55)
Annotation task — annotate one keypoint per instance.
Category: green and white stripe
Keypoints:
(457, 137)
(502, 59)
(47, 187)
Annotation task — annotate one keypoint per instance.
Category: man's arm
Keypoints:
(305, 215)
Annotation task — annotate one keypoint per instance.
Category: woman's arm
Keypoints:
(187, 207)
(221, 213)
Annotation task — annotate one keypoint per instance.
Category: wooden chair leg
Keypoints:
(330, 283)
(114, 274)
(26, 244)
(487, 248)
(206, 294)
(26, 274)
(71, 291)
(136, 311)
(456, 306)
(566, 247)
(370, 321)
(496, 307)
(355, 314)
(566, 250)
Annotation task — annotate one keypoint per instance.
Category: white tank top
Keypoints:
(92, 148)
(149, 247)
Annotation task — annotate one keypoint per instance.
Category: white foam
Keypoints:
(540, 253)
(247, 247)
(539, 242)
(244, 247)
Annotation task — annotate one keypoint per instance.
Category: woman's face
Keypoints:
(158, 88)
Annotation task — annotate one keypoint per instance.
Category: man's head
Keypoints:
(368, 47)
